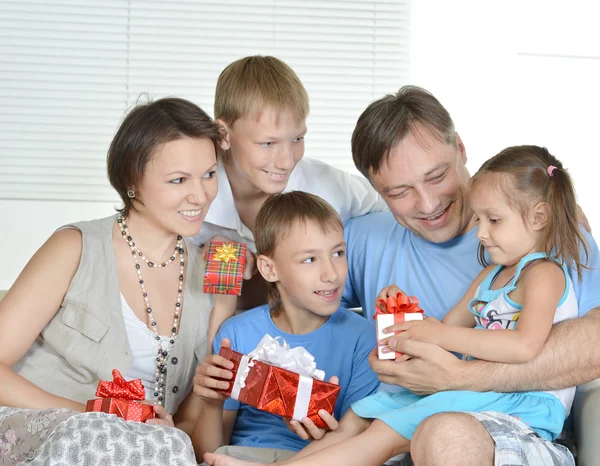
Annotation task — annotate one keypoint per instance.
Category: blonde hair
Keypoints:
(276, 218)
(251, 84)
(524, 176)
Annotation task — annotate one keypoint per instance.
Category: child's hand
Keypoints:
(162, 418)
(391, 290)
(250, 268)
(307, 430)
(427, 330)
(205, 381)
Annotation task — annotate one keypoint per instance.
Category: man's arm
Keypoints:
(570, 357)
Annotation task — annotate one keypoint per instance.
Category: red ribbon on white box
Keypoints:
(394, 310)
(383, 321)
(277, 352)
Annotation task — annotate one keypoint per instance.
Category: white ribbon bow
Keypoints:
(277, 351)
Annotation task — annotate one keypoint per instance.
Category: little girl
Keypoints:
(525, 203)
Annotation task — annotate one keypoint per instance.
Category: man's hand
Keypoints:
(250, 268)
(307, 430)
(423, 369)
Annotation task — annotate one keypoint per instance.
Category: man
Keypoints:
(407, 146)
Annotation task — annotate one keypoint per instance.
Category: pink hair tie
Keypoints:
(551, 169)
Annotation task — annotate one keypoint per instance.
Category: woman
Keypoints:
(121, 292)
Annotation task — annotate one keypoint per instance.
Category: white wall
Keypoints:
(477, 60)
(513, 73)
(25, 225)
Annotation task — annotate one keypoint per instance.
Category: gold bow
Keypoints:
(225, 253)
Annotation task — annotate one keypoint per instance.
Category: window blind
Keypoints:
(71, 69)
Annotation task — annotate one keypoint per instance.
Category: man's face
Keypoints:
(425, 182)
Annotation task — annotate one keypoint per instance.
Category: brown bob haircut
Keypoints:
(279, 214)
(520, 173)
(389, 120)
(143, 130)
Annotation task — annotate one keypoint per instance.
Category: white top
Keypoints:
(350, 195)
(144, 349)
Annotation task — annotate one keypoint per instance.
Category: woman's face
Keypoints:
(179, 184)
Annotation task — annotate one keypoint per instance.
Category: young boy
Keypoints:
(300, 242)
(261, 107)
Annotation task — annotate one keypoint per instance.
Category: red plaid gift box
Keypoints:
(225, 268)
(391, 311)
(121, 398)
(280, 380)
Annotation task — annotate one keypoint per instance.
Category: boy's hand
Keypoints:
(250, 268)
(307, 430)
(205, 381)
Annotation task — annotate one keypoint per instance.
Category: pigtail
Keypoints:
(564, 238)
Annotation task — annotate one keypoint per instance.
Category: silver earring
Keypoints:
(131, 194)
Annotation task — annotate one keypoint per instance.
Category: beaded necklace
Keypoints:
(162, 355)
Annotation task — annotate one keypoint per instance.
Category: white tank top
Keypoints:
(144, 349)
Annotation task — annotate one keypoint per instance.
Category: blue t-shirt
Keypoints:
(381, 252)
(340, 347)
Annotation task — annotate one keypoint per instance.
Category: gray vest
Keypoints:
(86, 339)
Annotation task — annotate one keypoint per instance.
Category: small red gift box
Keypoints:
(121, 398)
(391, 311)
(225, 268)
(277, 390)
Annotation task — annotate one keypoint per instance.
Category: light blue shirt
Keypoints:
(340, 347)
(381, 252)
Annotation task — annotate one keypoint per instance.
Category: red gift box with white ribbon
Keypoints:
(281, 380)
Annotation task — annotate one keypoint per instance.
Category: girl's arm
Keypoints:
(542, 285)
(29, 305)
(460, 315)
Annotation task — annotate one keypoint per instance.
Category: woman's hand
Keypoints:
(163, 418)
(307, 430)
(206, 381)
